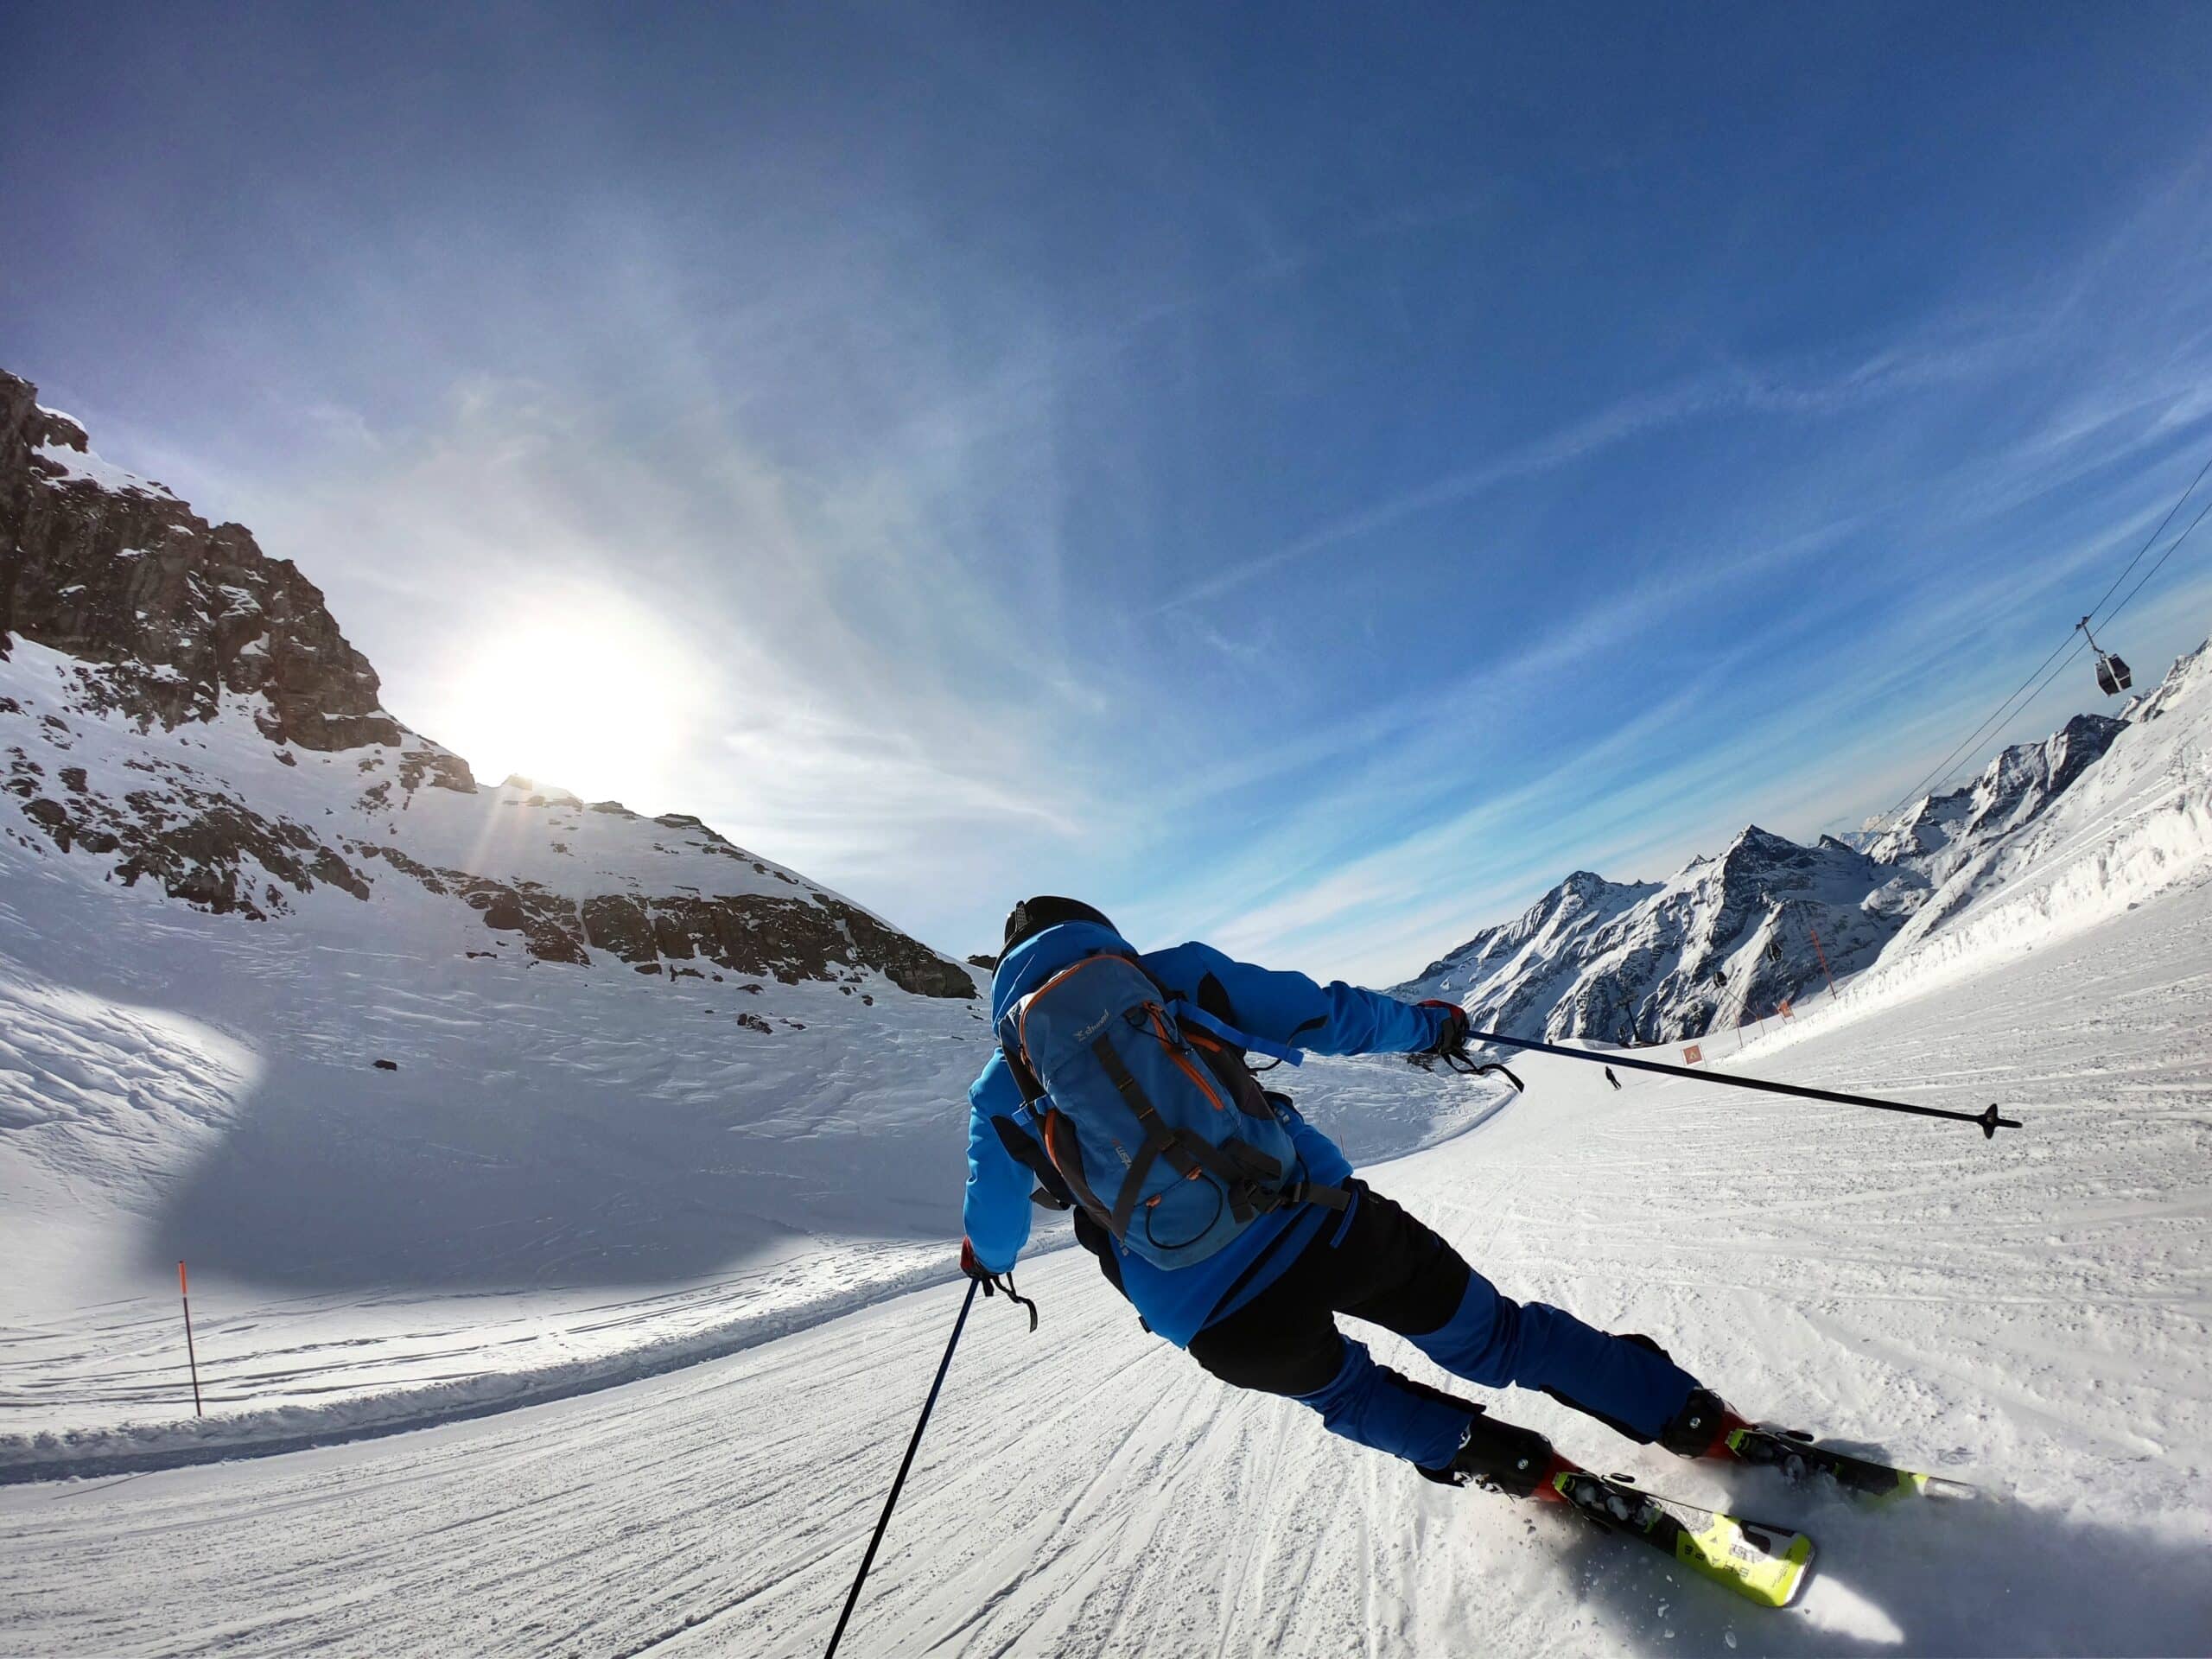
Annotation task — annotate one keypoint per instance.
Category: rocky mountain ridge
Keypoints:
(183, 709)
(1941, 832)
(113, 569)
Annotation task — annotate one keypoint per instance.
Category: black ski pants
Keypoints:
(1382, 1264)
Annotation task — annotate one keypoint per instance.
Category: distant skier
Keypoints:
(1611, 1078)
(1238, 1230)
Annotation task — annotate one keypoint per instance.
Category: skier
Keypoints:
(1611, 1078)
(1284, 1250)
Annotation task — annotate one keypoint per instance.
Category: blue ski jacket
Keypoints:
(1282, 1007)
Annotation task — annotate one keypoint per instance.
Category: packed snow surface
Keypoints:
(2030, 1313)
(573, 1174)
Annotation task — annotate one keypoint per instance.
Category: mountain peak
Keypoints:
(178, 614)
(1751, 836)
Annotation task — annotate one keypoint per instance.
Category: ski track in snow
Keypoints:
(575, 1176)
(2030, 1313)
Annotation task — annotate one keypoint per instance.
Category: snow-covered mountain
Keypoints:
(1637, 963)
(1513, 974)
(386, 1054)
(195, 719)
(1728, 940)
(1942, 832)
(2130, 827)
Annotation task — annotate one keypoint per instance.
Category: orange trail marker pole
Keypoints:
(1823, 956)
(184, 1294)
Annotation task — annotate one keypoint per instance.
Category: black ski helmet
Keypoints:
(1033, 916)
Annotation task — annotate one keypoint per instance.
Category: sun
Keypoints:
(596, 695)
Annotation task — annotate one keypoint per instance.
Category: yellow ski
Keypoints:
(1762, 1564)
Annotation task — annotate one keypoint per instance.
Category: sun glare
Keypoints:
(596, 698)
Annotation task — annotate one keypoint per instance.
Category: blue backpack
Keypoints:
(1144, 1107)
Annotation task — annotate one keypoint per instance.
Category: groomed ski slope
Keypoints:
(2030, 1314)
(573, 1176)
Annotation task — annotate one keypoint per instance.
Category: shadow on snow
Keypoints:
(1979, 1577)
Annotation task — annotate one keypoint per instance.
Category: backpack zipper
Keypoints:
(1175, 1054)
(1021, 1026)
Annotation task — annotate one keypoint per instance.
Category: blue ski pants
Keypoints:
(1383, 1266)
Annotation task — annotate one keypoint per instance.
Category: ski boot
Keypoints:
(1500, 1457)
(1702, 1428)
(1706, 1428)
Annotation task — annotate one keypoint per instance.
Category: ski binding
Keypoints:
(1763, 1564)
(1800, 1458)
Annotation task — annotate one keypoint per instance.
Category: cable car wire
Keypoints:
(2151, 538)
(2070, 648)
(2004, 711)
(2202, 513)
(2162, 557)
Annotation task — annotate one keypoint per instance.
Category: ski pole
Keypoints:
(192, 1357)
(906, 1463)
(1989, 1121)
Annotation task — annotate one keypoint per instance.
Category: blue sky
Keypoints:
(1309, 478)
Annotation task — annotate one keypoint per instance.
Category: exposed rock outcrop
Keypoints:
(198, 841)
(789, 939)
(114, 570)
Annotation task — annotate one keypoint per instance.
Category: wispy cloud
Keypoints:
(1736, 388)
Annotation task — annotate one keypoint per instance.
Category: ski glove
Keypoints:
(1451, 1046)
(1453, 1037)
(994, 1283)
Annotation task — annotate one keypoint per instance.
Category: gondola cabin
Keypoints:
(2113, 677)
